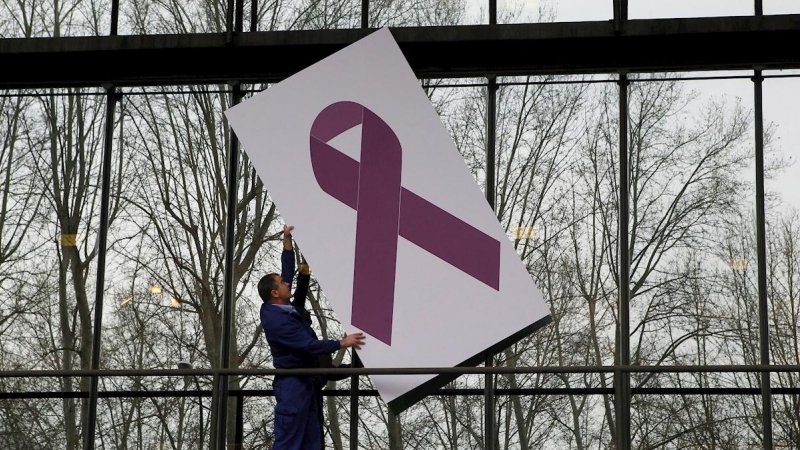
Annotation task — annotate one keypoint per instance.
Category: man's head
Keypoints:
(272, 289)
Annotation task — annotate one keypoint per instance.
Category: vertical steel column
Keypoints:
(354, 404)
(114, 17)
(239, 21)
(102, 236)
(763, 312)
(221, 385)
(622, 380)
(239, 435)
(364, 13)
(491, 128)
(229, 21)
(620, 14)
(253, 15)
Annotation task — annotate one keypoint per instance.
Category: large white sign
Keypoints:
(397, 232)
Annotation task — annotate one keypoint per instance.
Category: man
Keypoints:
(299, 303)
(294, 345)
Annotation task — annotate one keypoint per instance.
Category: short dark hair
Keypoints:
(266, 285)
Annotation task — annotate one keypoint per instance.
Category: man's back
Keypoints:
(292, 341)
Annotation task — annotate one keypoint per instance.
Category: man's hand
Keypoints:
(304, 270)
(287, 237)
(355, 340)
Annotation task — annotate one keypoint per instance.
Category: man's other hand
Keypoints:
(355, 340)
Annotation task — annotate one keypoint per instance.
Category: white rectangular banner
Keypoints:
(392, 223)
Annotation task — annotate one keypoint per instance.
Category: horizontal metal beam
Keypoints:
(652, 45)
(374, 393)
(753, 368)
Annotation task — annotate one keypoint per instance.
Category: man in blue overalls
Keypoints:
(294, 345)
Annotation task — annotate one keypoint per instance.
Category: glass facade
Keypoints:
(124, 265)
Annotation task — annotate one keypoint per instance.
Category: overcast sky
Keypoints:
(781, 96)
(580, 10)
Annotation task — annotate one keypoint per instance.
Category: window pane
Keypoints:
(152, 422)
(781, 7)
(164, 260)
(36, 423)
(210, 16)
(50, 177)
(556, 186)
(782, 183)
(782, 137)
(785, 420)
(409, 13)
(454, 422)
(55, 19)
(649, 9)
(516, 11)
(696, 421)
(691, 196)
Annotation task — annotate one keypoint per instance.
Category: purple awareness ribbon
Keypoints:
(387, 210)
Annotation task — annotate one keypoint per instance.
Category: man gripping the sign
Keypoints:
(294, 345)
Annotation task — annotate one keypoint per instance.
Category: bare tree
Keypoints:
(19, 206)
(70, 163)
(784, 281)
(738, 284)
(181, 195)
(683, 181)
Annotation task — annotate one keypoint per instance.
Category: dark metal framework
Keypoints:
(717, 43)
(754, 43)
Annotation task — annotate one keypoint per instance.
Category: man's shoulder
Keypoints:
(273, 315)
(269, 308)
